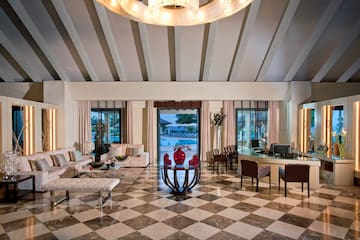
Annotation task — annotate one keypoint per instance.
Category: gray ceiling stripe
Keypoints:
(139, 49)
(172, 57)
(27, 36)
(101, 36)
(14, 63)
(204, 50)
(66, 37)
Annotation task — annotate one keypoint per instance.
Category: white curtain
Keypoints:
(129, 121)
(273, 122)
(150, 129)
(205, 130)
(84, 124)
(229, 123)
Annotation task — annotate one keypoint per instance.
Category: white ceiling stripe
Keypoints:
(27, 21)
(285, 22)
(70, 27)
(316, 34)
(101, 11)
(338, 52)
(249, 25)
(350, 71)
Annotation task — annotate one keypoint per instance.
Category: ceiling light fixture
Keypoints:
(175, 12)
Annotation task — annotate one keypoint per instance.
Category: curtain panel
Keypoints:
(84, 125)
(229, 123)
(205, 131)
(150, 129)
(129, 121)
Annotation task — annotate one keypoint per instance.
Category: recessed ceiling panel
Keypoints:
(156, 50)
(221, 47)
(338, 30)
(188, 49)
(56, 45)
(34, 67)
(303, 24)
(7, 72)
(260, 38)
(124, 37)
(84, 26)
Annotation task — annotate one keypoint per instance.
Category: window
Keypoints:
(251, 125)
(105, 128)
(178, 127)
(18, 128)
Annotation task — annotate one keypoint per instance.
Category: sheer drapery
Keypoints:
(229, 123)
(273, 119)
(129, 121)
(205, 130)
(150, 129)
(84, 125)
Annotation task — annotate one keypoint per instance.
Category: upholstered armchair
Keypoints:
(295, 173)
(251, 169)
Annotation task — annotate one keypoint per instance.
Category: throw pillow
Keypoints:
(59, 160)
(75, 156)
(42, 165)
(134, 151)
(33, 165)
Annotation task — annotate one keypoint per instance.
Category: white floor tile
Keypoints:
(115, 231)
(24, 233)
(158, 231)
(243, 230)
(286, 229)
(72, 231)
(201, 230)
(329, 229)
(269, 213)
(124, 215)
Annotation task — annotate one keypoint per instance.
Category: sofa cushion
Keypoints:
(134, 151)
(59, 160)
(75, 156)
(119, 150)
(39, 165)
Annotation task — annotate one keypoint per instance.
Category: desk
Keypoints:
(275, 162)
(180, 171)
(14, 181)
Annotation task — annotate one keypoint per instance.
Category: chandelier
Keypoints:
(175, 12)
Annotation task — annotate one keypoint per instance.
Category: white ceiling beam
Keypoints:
(104, 21)
(146, 49)
(70, 27)
(337, 53)
(209, 50)
(30, 25)
(281, 30)
(30, 69)
(315, 36)
(245, 35)
(350, 71)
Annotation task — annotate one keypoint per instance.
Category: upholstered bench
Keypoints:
(81, 185)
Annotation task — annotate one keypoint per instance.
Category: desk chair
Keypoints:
(251, 169)
(295, 173)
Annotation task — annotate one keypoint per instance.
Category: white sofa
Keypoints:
(136, 157)
(42, 177)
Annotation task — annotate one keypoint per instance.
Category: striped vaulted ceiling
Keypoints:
(270, 40)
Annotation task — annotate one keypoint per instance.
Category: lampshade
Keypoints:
(175, 12)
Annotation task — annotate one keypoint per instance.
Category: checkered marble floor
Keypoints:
(216, 209)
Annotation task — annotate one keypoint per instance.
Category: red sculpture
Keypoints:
(179, 156)
(194, 161)
(167, 161)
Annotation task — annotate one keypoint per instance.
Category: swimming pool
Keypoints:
(165, 141)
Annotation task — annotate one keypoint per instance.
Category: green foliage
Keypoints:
(186, 118)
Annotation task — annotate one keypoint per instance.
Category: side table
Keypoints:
(14, 181)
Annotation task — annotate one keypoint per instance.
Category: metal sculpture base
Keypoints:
(174, 185)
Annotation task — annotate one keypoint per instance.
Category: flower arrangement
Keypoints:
(340, 140)
(121, 158)
(218, 118)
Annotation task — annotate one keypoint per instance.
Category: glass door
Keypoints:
(105, 129)
(178, 128)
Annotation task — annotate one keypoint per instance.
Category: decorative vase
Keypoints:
(218, 129)
(9, 163)
(179, 156)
